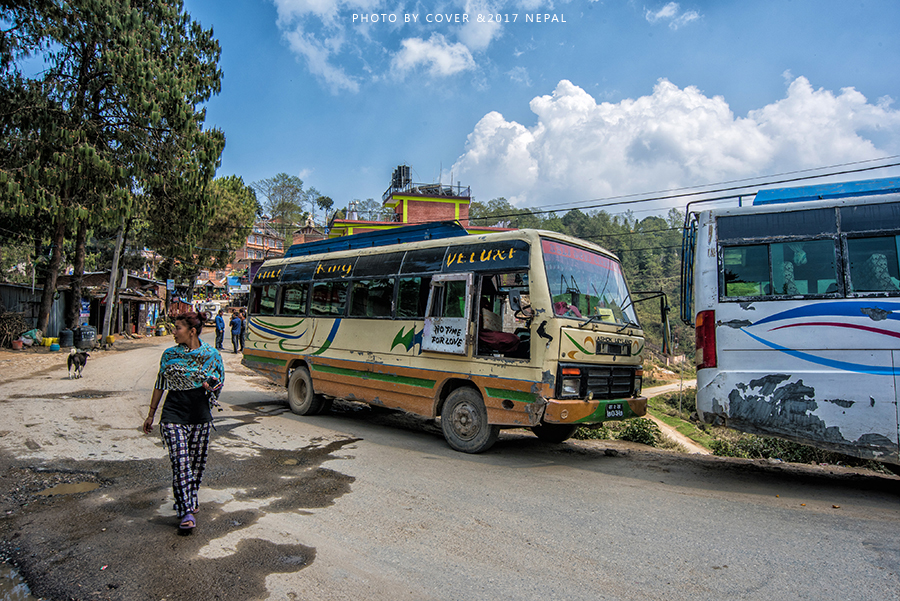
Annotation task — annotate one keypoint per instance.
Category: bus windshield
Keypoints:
(587, 285)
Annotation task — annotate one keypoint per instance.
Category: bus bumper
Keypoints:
(576, 411)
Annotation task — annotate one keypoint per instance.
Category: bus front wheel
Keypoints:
(465, 424)
(554, 432)
(301, 395)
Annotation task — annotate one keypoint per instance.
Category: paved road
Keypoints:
(368, 505)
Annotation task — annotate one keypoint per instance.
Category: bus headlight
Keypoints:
(570, 382)
(571, 386)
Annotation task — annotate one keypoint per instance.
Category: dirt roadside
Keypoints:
(668, 431)
(17, 364)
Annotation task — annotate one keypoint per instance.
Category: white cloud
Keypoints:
(580, 150)
(327, 10)
(348, 42)
(520, 75)
(671, 12)
(316, 55)
(477, 36)
(529, 5)
(666, 12)
(437, 54)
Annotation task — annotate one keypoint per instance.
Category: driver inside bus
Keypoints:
(491, 337)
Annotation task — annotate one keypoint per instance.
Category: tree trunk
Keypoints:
(73, 318)
(113, 282)
(59, 237)
(191, 283)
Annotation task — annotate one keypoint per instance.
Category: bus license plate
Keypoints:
(614, 411)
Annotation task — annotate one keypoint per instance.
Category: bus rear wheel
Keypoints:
(554, 432)
(465, 424)
(301, 396)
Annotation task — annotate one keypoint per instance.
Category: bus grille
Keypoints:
(610, 382)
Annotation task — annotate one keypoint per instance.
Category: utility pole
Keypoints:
(113, 281)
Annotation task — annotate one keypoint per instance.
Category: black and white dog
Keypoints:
(76, 361)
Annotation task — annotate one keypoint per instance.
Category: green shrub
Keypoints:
(643, 431)
(585, 433)
(640, 430)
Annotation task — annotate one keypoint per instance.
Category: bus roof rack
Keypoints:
(397, 235)
(866, 187)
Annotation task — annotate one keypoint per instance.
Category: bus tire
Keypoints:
(554, 432)
(465, 424)
(301, 396)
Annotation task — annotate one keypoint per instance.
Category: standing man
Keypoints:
(236, 324)
(220, 330)
(243, 328)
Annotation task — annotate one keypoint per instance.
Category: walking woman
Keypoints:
(192, 372)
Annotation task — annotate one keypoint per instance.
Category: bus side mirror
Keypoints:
(666, 328)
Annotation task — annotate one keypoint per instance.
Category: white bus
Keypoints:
(517, 329)
(796, 304)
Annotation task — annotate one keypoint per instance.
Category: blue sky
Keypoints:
(608, 98)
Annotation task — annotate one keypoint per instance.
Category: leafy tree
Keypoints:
(232, 210)
(500, 213)
(325, 203)
(284, 200)
(111, 126)
(371, 210)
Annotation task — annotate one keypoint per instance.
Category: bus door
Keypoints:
(448, 314)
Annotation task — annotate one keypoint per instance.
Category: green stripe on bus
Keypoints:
(578, 346)
(514, 395)
(355, 373)
(260, 359)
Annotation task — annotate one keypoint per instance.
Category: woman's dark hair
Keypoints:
(194, 320)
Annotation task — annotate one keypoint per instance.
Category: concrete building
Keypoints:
(414, 203)
(262, 242)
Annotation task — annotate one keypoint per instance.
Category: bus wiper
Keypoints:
(628, 324)
(591, 319)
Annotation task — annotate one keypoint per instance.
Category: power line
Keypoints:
(748, 179)
(604, 202)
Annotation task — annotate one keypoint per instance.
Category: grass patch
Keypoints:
(676, 410)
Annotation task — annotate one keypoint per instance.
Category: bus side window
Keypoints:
(449, 299)
(371, 298)
(452, 300)
(746, 270)
(873, 264)
(293, 299)
(412, 297)
(328, 298)
(265, 299)
(806, 267)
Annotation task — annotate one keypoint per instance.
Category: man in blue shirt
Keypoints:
(220, 330)
(236, 327)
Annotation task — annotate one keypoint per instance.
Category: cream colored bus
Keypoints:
(523, 328)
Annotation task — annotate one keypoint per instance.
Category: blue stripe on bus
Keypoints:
(840, 365)
(843, 308)
(278, 333)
